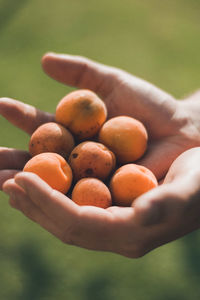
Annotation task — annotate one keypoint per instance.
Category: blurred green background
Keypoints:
(156, 40)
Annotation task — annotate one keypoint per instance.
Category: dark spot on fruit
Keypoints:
(38, 142)
(74, 155)
(89, 172)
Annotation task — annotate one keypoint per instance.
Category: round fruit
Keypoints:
(53, 169)
(91, 159)
(51, 137)
(82, 112)
(125, 136)
(91, 191)
(129, 182)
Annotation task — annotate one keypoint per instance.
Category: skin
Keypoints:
(159, 216)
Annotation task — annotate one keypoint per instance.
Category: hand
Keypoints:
(172, 127)
(159, 216)
(28, 119)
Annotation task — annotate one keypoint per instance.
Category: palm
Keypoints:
(125, 94)
(156, 109)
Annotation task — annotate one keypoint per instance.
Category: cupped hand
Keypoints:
(157, 217)
(172, 127)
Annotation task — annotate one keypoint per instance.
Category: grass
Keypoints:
(156, 40)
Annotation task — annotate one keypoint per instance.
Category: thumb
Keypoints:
(53, 203)
(179, 192)
(80, 72)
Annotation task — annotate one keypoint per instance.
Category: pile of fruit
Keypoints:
(90, 158)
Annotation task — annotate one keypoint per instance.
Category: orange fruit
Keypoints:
(91, 191)
(82, 112)
(91, 159)
(51, 137)
(53, 169)
(129, 182)
(126, 137)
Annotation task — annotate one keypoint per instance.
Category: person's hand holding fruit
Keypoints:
(156, 217)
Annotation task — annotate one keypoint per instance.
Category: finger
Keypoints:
(5, 175)
(85, 226)
(80, 72)
(20, 201)
(177, 199)
(178, 193)
(82, 228)
(185, 165)
(151, 207)
(168, 212)
(53, 203)
(13, 158)
(22, 115)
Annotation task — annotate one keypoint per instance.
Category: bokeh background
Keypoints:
(156, 40)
